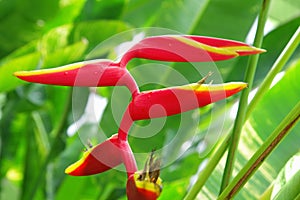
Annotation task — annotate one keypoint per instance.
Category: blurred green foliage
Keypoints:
(34, 147)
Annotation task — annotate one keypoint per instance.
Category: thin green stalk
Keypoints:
(219, 150)
(27, 164)
(262, 153)
(41, 134)
(7, 115)
(57, 132)
(204, 175)
(199, 17)
(239, 122)
(277, 66)
(106, 191)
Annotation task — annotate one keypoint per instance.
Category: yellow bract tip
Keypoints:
(208, 48)
(214, 87)
(77, 164)
(58, 69)
(50, 70)
(245, 49)
(147, 185)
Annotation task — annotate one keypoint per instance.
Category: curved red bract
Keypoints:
(83, 74)
(187, 48)
(171, 101)
(100, 158)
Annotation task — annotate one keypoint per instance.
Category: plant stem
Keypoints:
(57, 132)
(239, 122)
(199, 16)
(261, 154)
(215, 157)
(8, 114)
(27, 161)
(220, 149)
(127, 154)
(277, 66)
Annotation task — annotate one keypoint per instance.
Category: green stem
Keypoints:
(57, 132)
(239, 122)
(27, 164)
(214, 159)
(7, 116)
(41, 134)
(199, 17)
(220, 149)
(277, 66)
(262, 153)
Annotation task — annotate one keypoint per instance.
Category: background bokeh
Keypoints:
(34, 119)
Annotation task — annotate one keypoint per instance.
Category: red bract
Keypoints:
(98, 159)
(187, 48)
(88, 74)
(170, 101)
(103, 157)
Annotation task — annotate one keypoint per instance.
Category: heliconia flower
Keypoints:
(174, 100)
(145, 105)
(98, 159)
(92, 73)
(187, 48)
(146, 184)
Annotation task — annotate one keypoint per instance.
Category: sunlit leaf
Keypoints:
(286, 185)
(260, 124)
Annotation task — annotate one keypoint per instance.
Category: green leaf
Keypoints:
(94, 9)
(286, 185)
(32, 61)
(70, 54)
(260, 124)
(181, 16)
(9, 190)
(277, 7)
(228, 25)
(97, 31)
(138, 12)
(273, 47)
(54, 39)
(175, 189)
(65, 31)
(75, 188)
(7, 80)
(57, 96)
(68, 13)
(23, 23)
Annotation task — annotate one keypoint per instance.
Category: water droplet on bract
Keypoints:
(66, 73)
